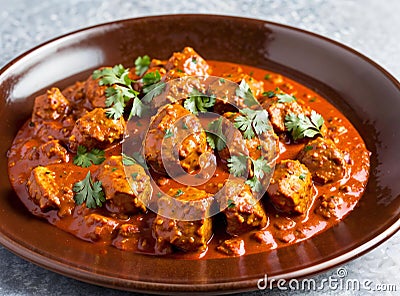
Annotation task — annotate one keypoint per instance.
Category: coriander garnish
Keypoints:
(301, 126)
(89, 192)
(85, 158)
(252, 119)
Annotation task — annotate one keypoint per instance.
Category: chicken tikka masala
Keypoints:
(90, 161)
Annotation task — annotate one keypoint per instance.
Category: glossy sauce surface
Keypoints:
(281, 230)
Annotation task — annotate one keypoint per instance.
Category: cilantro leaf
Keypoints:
(150, 79)
(301, 126)
(89, 192)
(115, 75)
(84, 159)
(244, 91)
(152, 85)
(215, 137)
(179, 192)
(142, 65)
(254, 184)
(269, 94)
(139, 159)
(127, 160)
(231, 204)
(237, 165)
(199, 102)
(138, 108)
(120, 90)
(136, 158)
(260, 167)
(252, 119)
(168, 133)
(285, 98)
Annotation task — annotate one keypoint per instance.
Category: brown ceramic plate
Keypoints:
(362, 90)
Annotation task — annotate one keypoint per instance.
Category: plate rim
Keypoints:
(140, 285)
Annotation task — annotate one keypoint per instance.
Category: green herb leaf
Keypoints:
(302, 177)
(260, 167)
(267, 76)
(252, 119)
(308, 148)
(84, 159)
(168, 133)
(269, 94)
(138, 108)
(237, 165)
(199, 102)
(89, 192)
(150, 79)
(120, 90)
(231, 204)
(139, 158)
(109, 76)
(127, 160)
(152, 86)
(215, 137)
(142, 65)
(179, 192)
(254, 184)
(285, 98)
(301, 126)
(244, 91)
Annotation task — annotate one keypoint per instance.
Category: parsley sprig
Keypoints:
(252, 120)
(119, 92)
(88, 191)
(142, 65)
(85, 158)
(199, 102)
(237, 165)
(301, 126)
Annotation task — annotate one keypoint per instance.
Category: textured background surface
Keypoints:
(371, 27)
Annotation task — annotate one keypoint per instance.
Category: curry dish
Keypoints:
(69, 165)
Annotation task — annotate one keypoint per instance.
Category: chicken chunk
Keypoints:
(324, 160)
(95, 93)
(290, 189)
(179, 230)
(233, 103)
(47, 153)
(49, 194)
(266, 144)
(125, 189)
(50, 106)
(277, 112)
(232, 247)
(163, 132)
(98, 228)
(95, 129)
(184, 63)
(242, 211)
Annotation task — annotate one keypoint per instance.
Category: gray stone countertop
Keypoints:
(371, 27)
